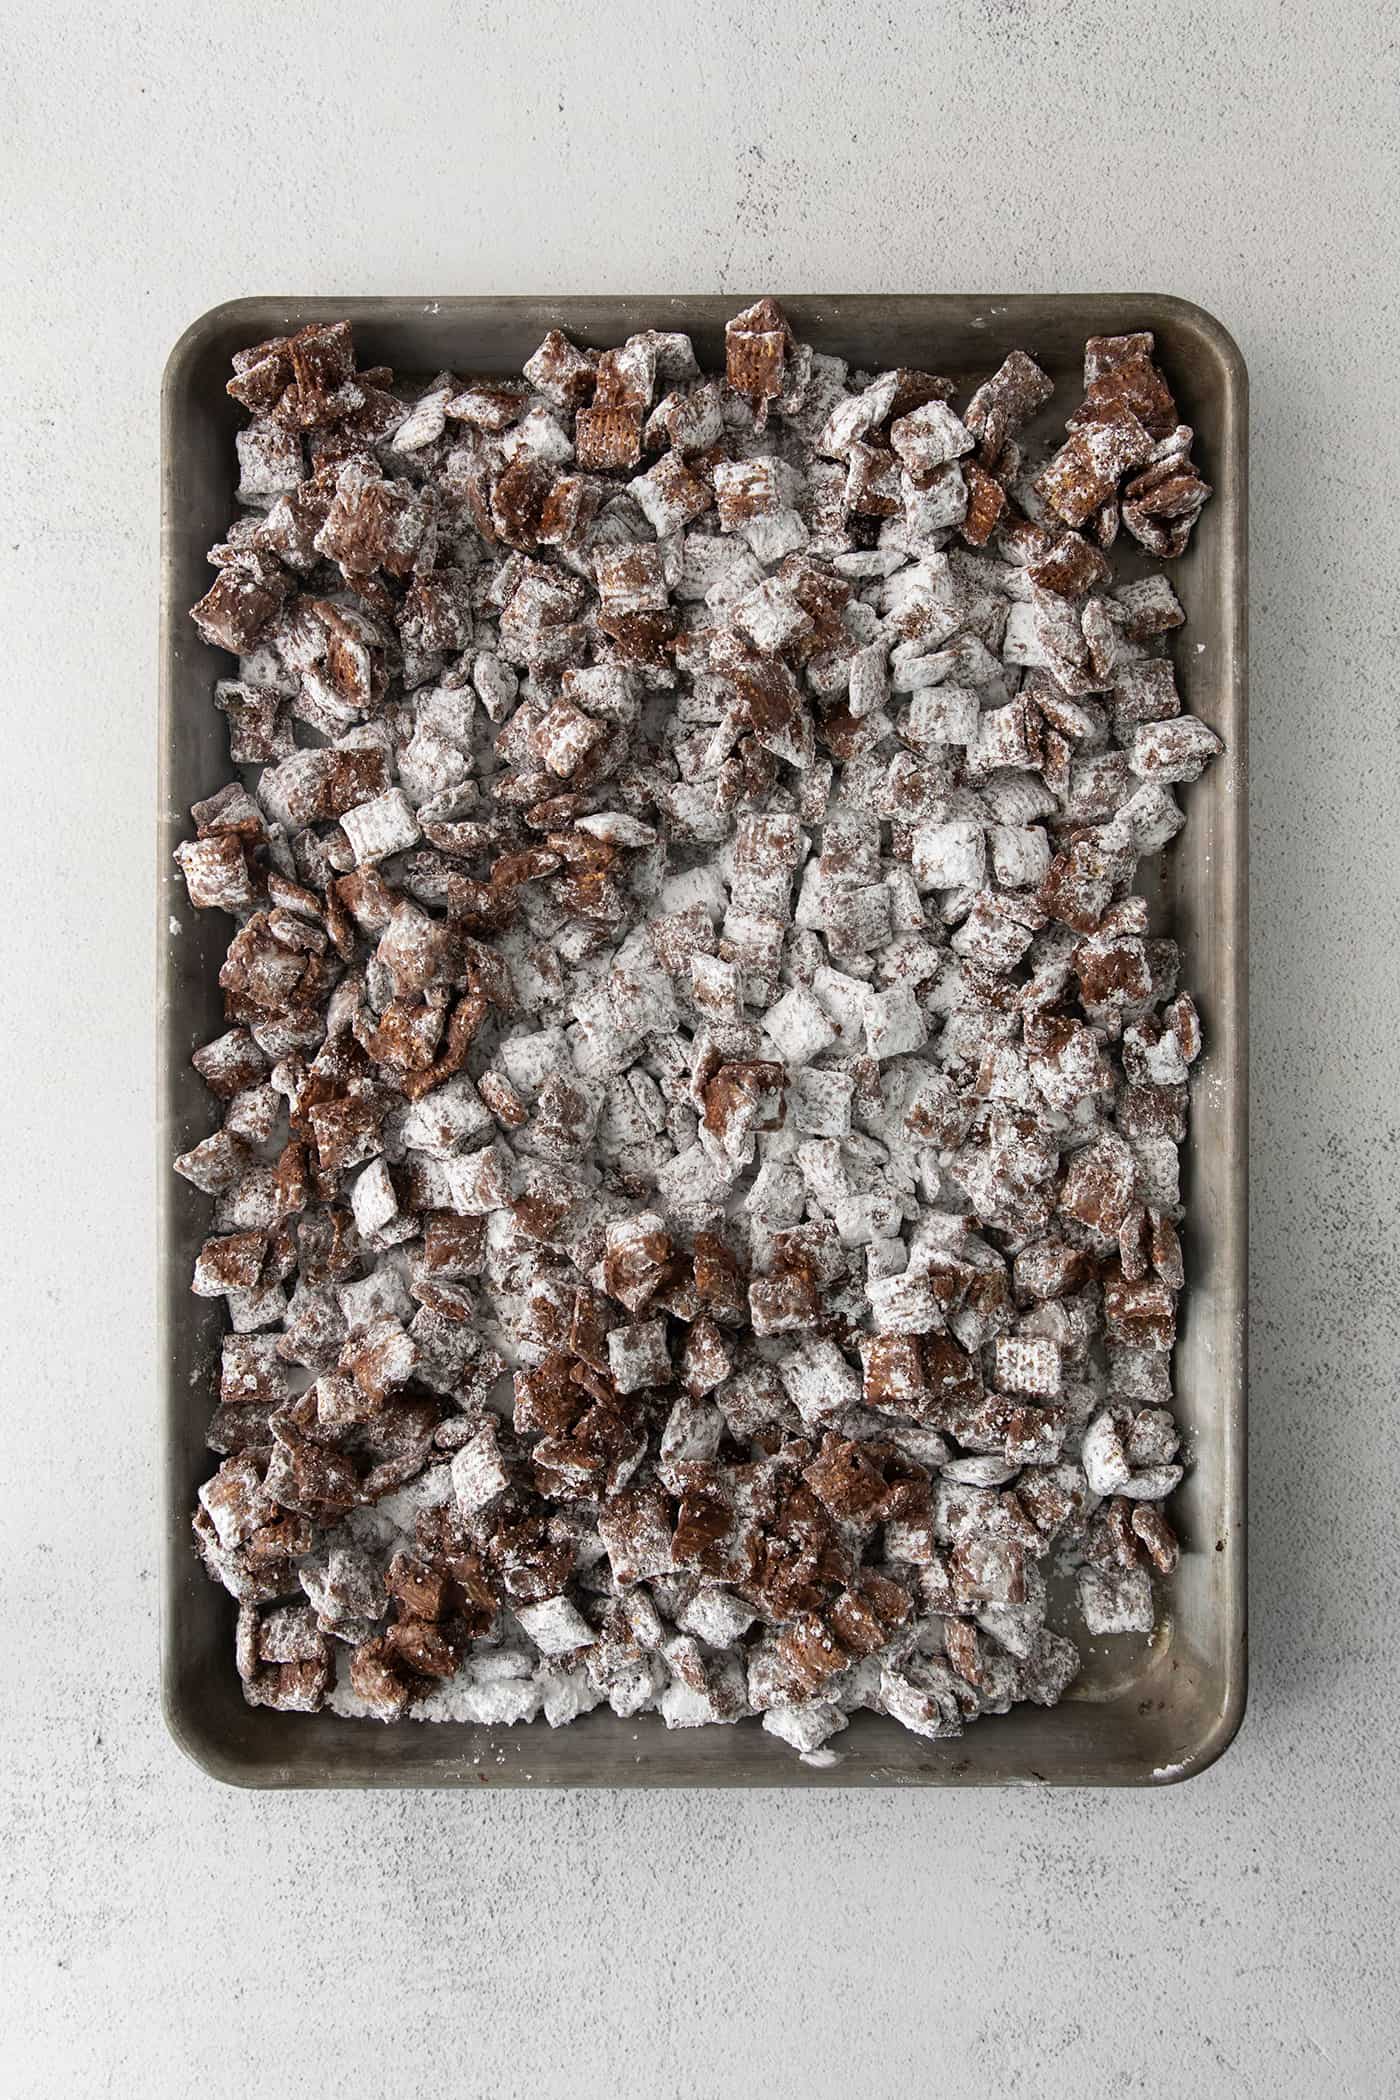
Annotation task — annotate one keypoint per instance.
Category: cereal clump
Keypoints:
(696, 1201)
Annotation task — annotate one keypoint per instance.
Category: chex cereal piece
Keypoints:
(1116, 1600)
(638, 1356)
(894, 1023)
(1172, 751)
(757, 347)
(555, 1625)
(929, 438)
(799, 1026)
(1027, 1366)
(950, 856)
(479, 1473)
(1099, 1183)
(1006, 401)
(609, 437)
(1087, 470)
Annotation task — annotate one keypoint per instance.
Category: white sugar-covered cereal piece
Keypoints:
(904, 1304)
(715, 1616)
(894, 1022)
(479, 1472)
(495, 683)
(1153, 1055)
(933, 501)
(1099, 1184)
(425, 422)
(388, 824)
(1141, 1376)
(883, 1257)
(380, 1295)
(258, 728)
(1149, 818)
(638, 1357)
(1146, 607)
(561, 372)
(380, 1358)
(914, 665)
(632, 578)
(950, 856)
(1086, 471)
(853, 418)
(1080, 880)
(922, 1697)
(1144, 692)
(721, 1696)
(1108, 1466)
(799, 1026)
(819, 1100)
(1158, 1165)
(1022, 643)
(531, 1059)
(230, 1263)
(1020, 855)
(906, 910)
(771, 616)
(997, 931)
(775, 1194)
(1008, 738)
(850, 847)
(217, 1162)
(716, 987)
(929, 438)
(752, 488)
(668, 495)
(1098, 786)
(483, 1181)
(568, 1694)
(856, 920)
(868, 682)
(217, 874)
(758, 354)
(942, 714)
(565, 737)
(489, 1703)
(820, 1382)
(609, 692)
(805, 1728)
(843, 998)
(452, 1118)
(270, 463)
(1174, 750)
(765, 891)
(1029, 1366)
(1065, 1060)
(372, 1200)
(772, 537)
(754, 941)
(1003, 403)
(872, 1219)
(1116, 1600)
(555, 1625)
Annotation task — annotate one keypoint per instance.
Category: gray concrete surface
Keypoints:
(161, 1937)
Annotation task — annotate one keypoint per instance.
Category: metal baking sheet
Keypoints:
(1143, 1710)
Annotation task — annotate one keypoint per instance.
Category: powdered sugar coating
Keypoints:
(697, 1198)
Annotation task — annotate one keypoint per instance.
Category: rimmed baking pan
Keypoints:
(1142, 1711)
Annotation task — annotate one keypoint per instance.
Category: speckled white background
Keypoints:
(160, 1936)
